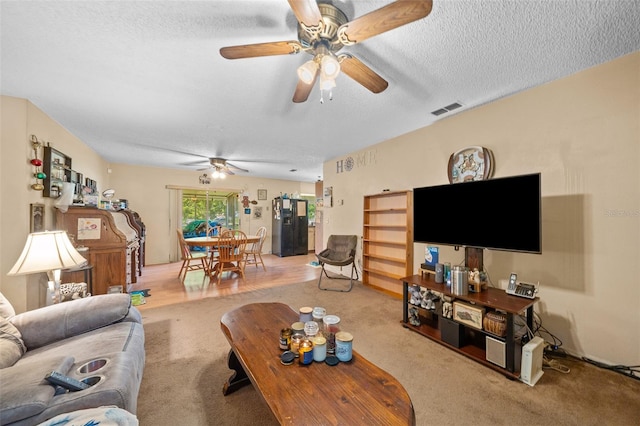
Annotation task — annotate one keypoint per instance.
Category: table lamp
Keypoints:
(50, 252)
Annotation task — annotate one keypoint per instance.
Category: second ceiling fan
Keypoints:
(323, 30)
(221, 167)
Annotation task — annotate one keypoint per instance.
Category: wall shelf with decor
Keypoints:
(57, 168)
(387, 246)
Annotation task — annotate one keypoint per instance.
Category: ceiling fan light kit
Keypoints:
(327, 83)
(329, 66)
(217, 174)
(307, 71)
(323, 30)
(221, 168)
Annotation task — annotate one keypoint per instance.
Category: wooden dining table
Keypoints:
(212, 241)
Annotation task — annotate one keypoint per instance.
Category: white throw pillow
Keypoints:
(6, 308)
(11, 345)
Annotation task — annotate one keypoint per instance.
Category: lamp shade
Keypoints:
(217, 174)
(47, 251)
(327, 83)
(330, 66)
(307, 71)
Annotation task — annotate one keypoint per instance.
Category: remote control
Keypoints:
(67, 382)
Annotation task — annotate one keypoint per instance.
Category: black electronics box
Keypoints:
(428, 267)
(451, 332)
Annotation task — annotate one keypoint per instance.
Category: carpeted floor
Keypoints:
(186, 369)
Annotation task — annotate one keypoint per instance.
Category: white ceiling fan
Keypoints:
(220, 168)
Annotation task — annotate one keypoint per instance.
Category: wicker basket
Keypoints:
(495, 323)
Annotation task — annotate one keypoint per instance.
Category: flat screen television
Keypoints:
(500, 214)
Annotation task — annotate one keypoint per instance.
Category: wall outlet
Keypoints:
(503, 283)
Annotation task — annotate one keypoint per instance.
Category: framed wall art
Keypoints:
(89, 228)
(37, 217)
(472, 163)
(257, 212)
(262, 194)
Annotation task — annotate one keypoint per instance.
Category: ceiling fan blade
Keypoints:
(393, 15)
(261, 49)
(307, 12)
(237, 168)
(303, 90)
(194, 163)
(361, 73)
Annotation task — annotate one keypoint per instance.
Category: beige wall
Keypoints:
(144, 187)
(582, 133)
(147, 192)
(20, 120)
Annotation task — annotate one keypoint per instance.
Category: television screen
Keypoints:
(501, 214)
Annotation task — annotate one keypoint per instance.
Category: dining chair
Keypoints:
(231, 252)
(191, 261)
(253, 254)
(212, 252)
(214, 231)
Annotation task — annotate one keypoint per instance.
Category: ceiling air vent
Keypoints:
(447, 109)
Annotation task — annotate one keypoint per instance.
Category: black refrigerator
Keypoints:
(290, 227)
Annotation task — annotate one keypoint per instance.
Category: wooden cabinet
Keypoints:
(95, 229)
(387, 248)
(57, 168)
(471, 341)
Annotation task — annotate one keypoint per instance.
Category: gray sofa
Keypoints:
(98, 339)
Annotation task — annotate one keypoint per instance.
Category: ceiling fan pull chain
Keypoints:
(322, 97)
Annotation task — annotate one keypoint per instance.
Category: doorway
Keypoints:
(206, 209)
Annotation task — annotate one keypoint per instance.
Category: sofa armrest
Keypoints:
(52, 323)
(24, 392)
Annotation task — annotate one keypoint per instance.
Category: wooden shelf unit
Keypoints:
(492, 299)
(387, 245)
(57, 168)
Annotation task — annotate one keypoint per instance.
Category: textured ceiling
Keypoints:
(143, 82)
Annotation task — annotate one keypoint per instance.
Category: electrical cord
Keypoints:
(628, 370)
(552, 364)
(547, 363)
(541, 331)
(554, 350)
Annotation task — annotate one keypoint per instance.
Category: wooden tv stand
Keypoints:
(491, 299)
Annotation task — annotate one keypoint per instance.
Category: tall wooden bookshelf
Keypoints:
(387, 248)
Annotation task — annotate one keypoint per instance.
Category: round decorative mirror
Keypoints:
(108, 193)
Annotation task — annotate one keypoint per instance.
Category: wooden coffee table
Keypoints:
(357, 392)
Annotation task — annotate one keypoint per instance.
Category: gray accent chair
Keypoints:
(97, 339)
(340, 251)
